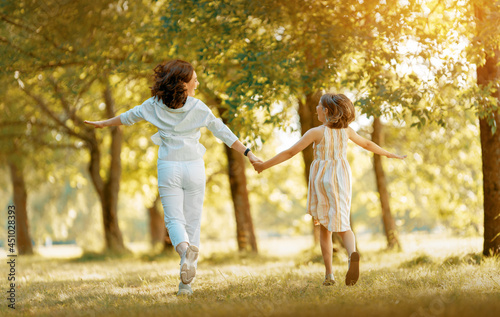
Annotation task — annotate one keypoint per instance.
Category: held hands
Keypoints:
(256, 162)
(258, 166)
(96, 124)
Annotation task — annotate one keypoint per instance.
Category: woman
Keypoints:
(181, 169)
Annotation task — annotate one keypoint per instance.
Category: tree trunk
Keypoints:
(168, 246)
(389, 224)
(159, 232)
(238, 181)
(23, 239)
(114, 240)
(490, 147)
(489, 73)
(308, 120)
(245, 234)
(156, 224)
(108, 191)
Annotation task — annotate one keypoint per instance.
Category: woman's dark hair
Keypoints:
(340, 110)
(169, 82)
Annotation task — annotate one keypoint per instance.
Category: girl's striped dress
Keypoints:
(329, 194)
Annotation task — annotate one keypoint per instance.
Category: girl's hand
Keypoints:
(96, 124)
(401, 157)
(258, 166)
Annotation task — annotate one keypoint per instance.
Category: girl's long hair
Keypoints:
(169, 82)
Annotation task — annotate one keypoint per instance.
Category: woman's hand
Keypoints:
(253, 159)
(392, 155)
(255, 162)
(96, 124)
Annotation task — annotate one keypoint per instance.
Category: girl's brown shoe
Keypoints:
(353, 272)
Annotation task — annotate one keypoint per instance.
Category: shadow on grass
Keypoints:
(470, 258)
(229, 258)
(89, 256)
(152, 256)
(159, 256)
(313, 255)
(424, 259)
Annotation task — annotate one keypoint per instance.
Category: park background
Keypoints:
(423, 75)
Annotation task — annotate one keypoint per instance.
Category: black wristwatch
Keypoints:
(246, 151)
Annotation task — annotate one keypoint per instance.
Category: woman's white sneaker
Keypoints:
(184, 289)
(188, 268)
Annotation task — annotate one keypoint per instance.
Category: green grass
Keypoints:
(424, 280)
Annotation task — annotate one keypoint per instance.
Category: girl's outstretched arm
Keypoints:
(313, 135)
(369, 145)
(105, 123)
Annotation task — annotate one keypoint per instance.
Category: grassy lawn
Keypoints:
(433, 276)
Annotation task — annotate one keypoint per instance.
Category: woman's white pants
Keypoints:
(182, 189)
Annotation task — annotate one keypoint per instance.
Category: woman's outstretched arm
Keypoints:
(370, 146)
(105, 123)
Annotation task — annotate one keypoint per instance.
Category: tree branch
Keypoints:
(59, 94)
(25, 122)
(84, 89)
(43, 106)
(4, 40)
(115, 168)
(219, 172)
(33, 31)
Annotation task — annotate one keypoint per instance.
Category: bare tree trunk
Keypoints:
(168, 246)
(387, 219)
(112, 234)
(238, 181)
(114, 238)
(108, 191)
(308, 120)
(490, 147)
(23, 239)
(158, 230)
(156, 224)
(245, 233)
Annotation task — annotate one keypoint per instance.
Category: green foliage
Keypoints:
(411, 62)
(232, 49)
(452, 191)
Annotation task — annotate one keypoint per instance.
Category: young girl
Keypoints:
(329, 194)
